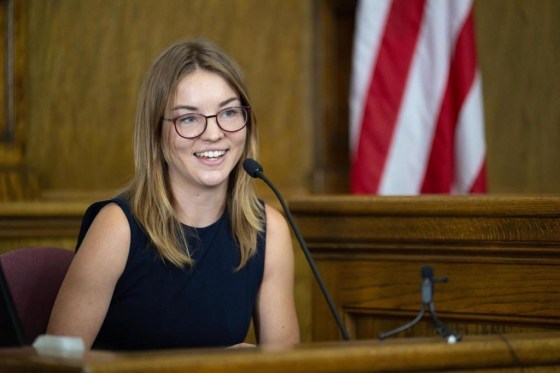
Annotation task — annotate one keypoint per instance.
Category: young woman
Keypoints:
(187, 256)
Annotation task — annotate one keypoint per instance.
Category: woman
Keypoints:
(187, 256)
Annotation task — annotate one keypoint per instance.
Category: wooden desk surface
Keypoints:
(539, 351)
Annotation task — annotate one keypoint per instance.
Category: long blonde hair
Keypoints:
(149, 194)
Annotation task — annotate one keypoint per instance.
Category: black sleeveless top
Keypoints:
(156, 305)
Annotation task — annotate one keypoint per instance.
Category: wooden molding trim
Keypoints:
(480, 226)
(506, 353)
(24, 220)
(501, 255)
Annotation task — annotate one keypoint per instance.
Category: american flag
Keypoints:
(416, 113)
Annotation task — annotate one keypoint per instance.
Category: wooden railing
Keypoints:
(509, 353)
(500, 254)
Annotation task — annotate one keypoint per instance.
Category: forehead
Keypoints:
(203, 87)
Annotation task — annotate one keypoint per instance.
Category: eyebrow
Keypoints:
(194, 108)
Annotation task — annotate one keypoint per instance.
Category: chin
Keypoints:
(214, 180)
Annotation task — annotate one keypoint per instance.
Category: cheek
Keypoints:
(241, 140)
(239, 145)
(168, 143)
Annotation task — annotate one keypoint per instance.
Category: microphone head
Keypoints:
(427, 272)
(252, 167)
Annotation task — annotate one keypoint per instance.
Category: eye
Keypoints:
(230, 113)
(188, 119)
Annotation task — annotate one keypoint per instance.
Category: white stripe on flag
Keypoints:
(370, 15)
(420, 110)
(470, 151)
(409, 152)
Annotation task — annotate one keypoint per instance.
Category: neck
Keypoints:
(199, 208)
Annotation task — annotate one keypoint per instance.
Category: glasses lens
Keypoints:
(190, 125)
(232, 119)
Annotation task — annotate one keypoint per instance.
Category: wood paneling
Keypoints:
(334, 29)
(86, 60)
(501, 255)
(17, 182)
(82, 63)
(519, 51)
(12, 72)
(529, 353)
(24, 224)
(3, 66)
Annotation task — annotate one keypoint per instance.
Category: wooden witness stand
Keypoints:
(501, 255)
(514, 353)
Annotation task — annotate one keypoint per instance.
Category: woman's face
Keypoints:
(204, 162)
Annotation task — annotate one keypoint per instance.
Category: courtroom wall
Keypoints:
(80, 65)
(518, 44)
(519, 53)
(86, 60)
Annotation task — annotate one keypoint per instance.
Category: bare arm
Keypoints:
(86, 291)
(276, 318)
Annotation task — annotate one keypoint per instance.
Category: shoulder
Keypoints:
(278, 237)
(275, 221)
(111, 222)
(112, 211)
(106, 218)
(111, 217)
(107, 241)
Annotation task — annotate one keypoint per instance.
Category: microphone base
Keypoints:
(443, 330)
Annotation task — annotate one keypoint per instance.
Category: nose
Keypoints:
(213, 131)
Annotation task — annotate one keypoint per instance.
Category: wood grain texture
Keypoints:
(24, 224)
(518, 48)
(333, 32)
(17, 182)
(82, 62)
(88, 58)
(501, 255)
(12, 74)
(3, 66)
(536, 352)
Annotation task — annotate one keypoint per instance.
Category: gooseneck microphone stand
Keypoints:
(255, 170)
(427, 291)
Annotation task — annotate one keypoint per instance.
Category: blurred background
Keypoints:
(78, 66)
(71, 71)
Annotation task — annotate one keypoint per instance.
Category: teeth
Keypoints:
(213, 154)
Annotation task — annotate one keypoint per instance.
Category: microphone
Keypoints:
(427, 293)
(427, 289)
(255, 170)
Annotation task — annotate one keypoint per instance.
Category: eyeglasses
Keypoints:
(193, 125)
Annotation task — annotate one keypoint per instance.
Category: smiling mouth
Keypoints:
(211, 154)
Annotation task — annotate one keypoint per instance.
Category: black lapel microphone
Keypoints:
(255, 170)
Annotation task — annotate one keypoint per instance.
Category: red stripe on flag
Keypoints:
(385, 93)
(479, 185)
(439, 174)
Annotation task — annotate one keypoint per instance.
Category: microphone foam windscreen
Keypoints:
(252, 167)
